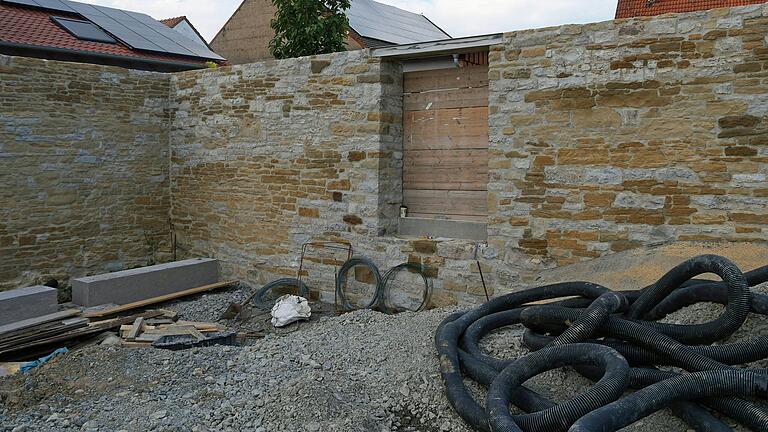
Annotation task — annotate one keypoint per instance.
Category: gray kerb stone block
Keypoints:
(129, 286)
(25, 303)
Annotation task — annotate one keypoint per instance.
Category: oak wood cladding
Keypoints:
(445, 126)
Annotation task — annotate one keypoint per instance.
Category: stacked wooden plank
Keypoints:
(40, 331)
(143, 332)
(30, 338)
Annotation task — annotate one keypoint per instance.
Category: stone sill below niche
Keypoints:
(441, 228)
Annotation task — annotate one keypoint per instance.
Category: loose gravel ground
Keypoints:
(363, 371)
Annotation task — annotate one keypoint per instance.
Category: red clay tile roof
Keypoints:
(29, 26)
(173, 22)
(633, 8)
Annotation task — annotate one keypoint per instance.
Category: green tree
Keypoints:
(309, 27)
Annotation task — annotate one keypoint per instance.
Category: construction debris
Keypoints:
(30, 339)
(180, 342)
(142, 334)
(28, 366)
(289, 309)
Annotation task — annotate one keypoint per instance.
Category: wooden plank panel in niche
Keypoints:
(445, 125)
(461, 170)
(447, 202)
(455, 98)
(449, 129)
(444, 79)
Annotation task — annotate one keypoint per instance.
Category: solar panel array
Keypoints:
(137, 30)
(84, 30)
(375, 20)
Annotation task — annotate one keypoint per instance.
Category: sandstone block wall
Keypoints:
(610, 136)
(83, 169)
(268, 156)
(603, 138)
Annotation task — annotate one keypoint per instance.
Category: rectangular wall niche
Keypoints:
(445, 127)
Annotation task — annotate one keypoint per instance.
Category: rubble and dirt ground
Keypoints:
(362, 371)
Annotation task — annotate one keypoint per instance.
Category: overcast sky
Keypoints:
(457, 17)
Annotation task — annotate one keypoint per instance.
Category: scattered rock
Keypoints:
(362, 371)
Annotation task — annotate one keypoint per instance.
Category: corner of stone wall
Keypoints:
(84, 153)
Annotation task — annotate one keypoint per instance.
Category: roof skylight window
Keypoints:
(84, 30)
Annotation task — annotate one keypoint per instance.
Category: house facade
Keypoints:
(79, 32)
(246, 35)
(184, 26)
(636, 8)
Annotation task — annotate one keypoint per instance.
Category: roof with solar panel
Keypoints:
(55, 28)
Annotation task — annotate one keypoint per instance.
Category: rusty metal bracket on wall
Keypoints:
(338, 246)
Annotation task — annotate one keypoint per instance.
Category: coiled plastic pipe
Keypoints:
(603, 320)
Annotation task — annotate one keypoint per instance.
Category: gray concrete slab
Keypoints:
(24, 303)
(443, 228)
(129, 286)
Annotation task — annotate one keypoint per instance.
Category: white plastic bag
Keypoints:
(289, 309)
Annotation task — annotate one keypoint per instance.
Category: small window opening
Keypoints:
(83, 30)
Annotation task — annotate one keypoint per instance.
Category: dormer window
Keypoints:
(84, 30)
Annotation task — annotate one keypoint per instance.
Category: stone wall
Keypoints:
(269, 156)
(603, 138)
(83, 169)
(611, 136)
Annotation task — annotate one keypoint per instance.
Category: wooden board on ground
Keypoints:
(56, 339)
(159, 299)
(137, 344)
(147, 334)
(117, 322)
(67, 332)
(136, 328)
(34, 334)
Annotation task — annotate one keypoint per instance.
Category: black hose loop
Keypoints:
(341, 280)
(584, 323)
(390, 275)
(609, 388)
(736, 310)
(258, 297)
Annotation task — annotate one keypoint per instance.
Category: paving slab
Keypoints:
(24, 303)
(133, 285)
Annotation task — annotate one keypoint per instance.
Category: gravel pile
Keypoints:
(363, 371)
